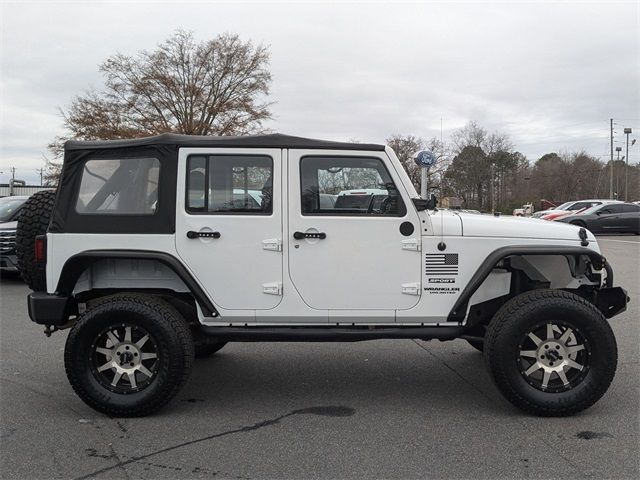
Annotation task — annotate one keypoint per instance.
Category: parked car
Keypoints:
(556, 214)
(158, 269)
(612, 217)
(10, 208)
(572, 206)
(562, 206)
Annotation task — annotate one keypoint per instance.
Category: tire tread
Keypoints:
(33, 221)
(177, 377)
(524, 304)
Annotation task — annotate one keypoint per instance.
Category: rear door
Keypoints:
(631, 218)
(229, 224)
(354, 235)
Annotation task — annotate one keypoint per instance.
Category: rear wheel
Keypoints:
(128, 355)
(33, 221)
(550, 352)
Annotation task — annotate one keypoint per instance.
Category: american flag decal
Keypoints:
(441, 264)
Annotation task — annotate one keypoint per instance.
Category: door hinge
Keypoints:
(274, 244)
(274, 288)
(411, 244)
(411, 288)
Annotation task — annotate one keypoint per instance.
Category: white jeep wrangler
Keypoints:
(158, 249)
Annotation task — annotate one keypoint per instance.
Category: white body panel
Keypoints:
(361, 265)
(62, 246)
(522, 228)
(440, 292)
(236, 270)
(365, 271)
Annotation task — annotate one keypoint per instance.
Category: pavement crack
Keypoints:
(38, 392)
(121, 467)
(333, 411)
(458, 374)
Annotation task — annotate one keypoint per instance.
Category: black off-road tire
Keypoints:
(531, 310)
(168, 331)
(33, 221)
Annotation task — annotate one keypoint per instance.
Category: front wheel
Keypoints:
(128, 355)
(550, 352)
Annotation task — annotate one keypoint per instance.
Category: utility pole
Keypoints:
(493, 188)
(12, 181)
(627, 132)
(618, 150)
(41, 172)
(611, 167)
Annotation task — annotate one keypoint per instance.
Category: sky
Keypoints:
(548, 74)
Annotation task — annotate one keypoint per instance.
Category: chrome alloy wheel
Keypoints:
(124, 358)
(554, 357)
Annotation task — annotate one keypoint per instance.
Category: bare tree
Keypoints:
(405, 147)
(473, 135)
(214, 87)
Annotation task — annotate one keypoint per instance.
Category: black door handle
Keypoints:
(301, 235)
(192, 234)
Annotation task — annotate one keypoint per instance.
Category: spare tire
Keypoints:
(33, 221)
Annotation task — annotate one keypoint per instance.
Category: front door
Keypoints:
(354, 236)
(229, 224)
(610, 218)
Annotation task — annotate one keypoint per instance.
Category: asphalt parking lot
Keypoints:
(381, 409)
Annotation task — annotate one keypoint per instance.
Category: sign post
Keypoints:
(425, 159)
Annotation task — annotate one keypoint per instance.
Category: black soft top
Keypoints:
(275, 140)
(164, 148)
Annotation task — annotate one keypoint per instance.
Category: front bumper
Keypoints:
(46, 309)
(612, 301)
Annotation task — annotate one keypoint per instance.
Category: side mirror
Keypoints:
(422, 204)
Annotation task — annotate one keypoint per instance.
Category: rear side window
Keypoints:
(631, 208)
(351, 186)
(581, 205)
(230, 184)
(119, 187)
(611, 209)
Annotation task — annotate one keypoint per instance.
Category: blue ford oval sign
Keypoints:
(425, 158)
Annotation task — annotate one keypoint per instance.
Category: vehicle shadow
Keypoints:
(287, 375)
(9, 277)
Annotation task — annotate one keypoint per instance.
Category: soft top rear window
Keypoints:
(127, 186)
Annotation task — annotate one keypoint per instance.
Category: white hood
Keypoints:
(474, 225)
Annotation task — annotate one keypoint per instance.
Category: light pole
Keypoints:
(618, 150)
(627, 132)
(611, 168)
